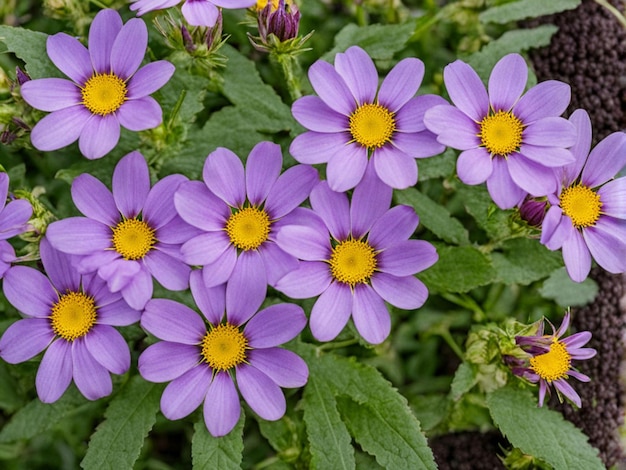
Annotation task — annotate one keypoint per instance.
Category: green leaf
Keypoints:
(223, 453)
(129, 418)
(464, 379)
(567, 293)
(439, 166)
(523, 9)
(524, 261)
(478, 203)
(10, 398)
(30, 46)
(541, 432)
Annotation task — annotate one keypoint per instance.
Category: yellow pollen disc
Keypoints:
(352, 262)
(501, 133)
(133, 238)
(73, 315)
(248, 228)
(260, 4)
(224, 347)
(581, 204)
(554, 364)
(104, 93)
(372, 125)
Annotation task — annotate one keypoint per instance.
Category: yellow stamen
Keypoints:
(224, 347)
(248, 228)
(104, 93)
(73, 315)
(133, 238)
(372, 125)
(501, 133)
(554, 364)
(581, 204)
(352, 262)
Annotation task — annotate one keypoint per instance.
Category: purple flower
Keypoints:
(72, 318)
(587, 216)
(202, 363)
(196, 12)
(14, 218)
(508, 140)
(352, 119)
(130, 235)
(105, 89)
(356, 258)
(550, 360)
(239, 212)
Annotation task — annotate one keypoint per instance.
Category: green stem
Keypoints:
(466, 302)
(338, 344)
(290, 66)
(447, 337)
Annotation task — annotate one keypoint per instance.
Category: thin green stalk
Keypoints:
(289, 66)
(618, 14)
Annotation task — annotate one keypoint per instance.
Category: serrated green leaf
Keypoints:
(439, 166)
(210, 453)
(567, 293)
(523, 9)
(30, 46)
(523, 261)
(129, 418)
(541, 432)
(464, 379)
(478, 204)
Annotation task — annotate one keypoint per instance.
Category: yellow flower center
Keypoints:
(224, 347)
(372, 125)
(133, 238)
(554, 364)
(501, 133)
(248, 228)
(73, 315)
(260, 4)
(581, 204)
(104, 93)
(352, 262)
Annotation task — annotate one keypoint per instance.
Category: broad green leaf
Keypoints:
(129, 418)
(10, 398)
(523, 9)
(478, 203)
(567, 293)
(524, 261)
(211, 453)
(439, 166)
(541, 432)
(284, 435)
(30, 46)
(464, 379)
(430, 409)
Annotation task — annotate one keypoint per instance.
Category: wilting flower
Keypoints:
(352, 119)
(508, 139)
(356, 257)
(14, 218)
(550, 362)
(130, 235)
(202, 362)
(196, 12)
(587, 217)
(71, 316)
(239, 211)
(105, 89)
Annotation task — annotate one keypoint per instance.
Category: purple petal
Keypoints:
(549, 98)
(185, 393)
(102, 33)
(29, 291)
(331, 312)
(99, 136)
(401, 83)
(94, 200)
(394, 167)
(284, 367)
(174, 233)
(108, 348)
(198, 206)
(277, 262)
(200, 13)
(70, 56)
(566, 389)
(221, 269)
(543, 388)
(223, 173)
(24, 339)
(359, 73)
(577, 375)
(165, 361)
(233, 3)
(170, 321)
(55, 371)
(129, 48)
(315, 115)
(345, 168)
(554, 157)
(275, 325)
(605, 160)
(530, 176)
(453, 127)
(550, 132)
(205, 248)
(410, 118)
(92, 379)
(502, 189)
(577, 340)
(418, 144)
(507, 82)
(370, 200)
(139, 289)
(305, 242)
(607, 245)
(221, 405)
(310, 279)
(14, 217)
(260, 392)
(246, 288)
(290, 190)
(51, 94)
(331, 87)
(474, 166)
(466, 90)
(210, 300)
(315, 147)
(262, 169)
(613, 197)
(406, 292)
(159, 209)
(118, 313)
(333, 208)
(149, 79)
(131, 184)
(118, 273)
(171, 273)
(58, 267)
(60, 128)
(140, 114)
(577, 258)
(395, 225)
(581, 121)
(370, 314)
(407, 258)
(582, 354)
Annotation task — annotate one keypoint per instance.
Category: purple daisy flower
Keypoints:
(105, 89)
(356, 258)
(127, 236)
(551, 358)
(352, 119)
(14, 218)
(508, 139)
(587, 216)
(202, 362)
(71, 316)
(239, 211)
(196, 12)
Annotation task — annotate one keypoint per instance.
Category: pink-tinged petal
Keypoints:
(60, 128)
(315, 147)
(576, 340)
(149, 79)
(185, 393)
(102, 33)
(549, 98)
(331, 312)
(118, 273)
(507, 82)
(220, 270)
(502, 189)
(70, 56)
(453, 127)
(577, 375)
(418, 144)
(198, 206)
(474, 166)
(138, 290)
(370, 200)
(224, 175)
(410, 118)
(171, 273)
(79, 235)
(566, 389)
(129, 48)
(315, 115)
(607, 245)
(262, 169)
(582, 354)
(406, 292)
(51, 94)
(210, 300)
(165, 361)
(577, 258)
(94, 200)
(275, 325)
(99, 136)
(407, 258)
(530, 176)
(394, 167)
(14, 217)
(221, 405)
(401, 84)
(140, 114)
(205, 248)
(108, 347)
(91, 378)
(246, 288)
(605, 160)
(159, 209)
(277, 262)
(310, 279)
(331, 88)
(59, 269)
(394, 226)
(370, 315)
(543, 388)
(290, 190)
(29, 291)
(171, 321)
(550, 132)
(202, 13)
(131, 184)
(581, 121)
(118, 313)
(359, 73)
(55, 371)
(284, 367)
(553, 157)
(24, 339)
(260, 392)
(333, 208)
(345, 169)
(466, 90)
(613, 198)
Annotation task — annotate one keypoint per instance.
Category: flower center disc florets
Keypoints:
(73, 315)
(133, 239)
(501, 133)
(104, 93)
(352, 262)
(554, 364)
(581, 204)
(248, 228)
(372, 125)
(224, 347)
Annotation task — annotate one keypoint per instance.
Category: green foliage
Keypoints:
(459, 269)
(30, 46)
(209, 453)
(524, 260)
(10, 398)
(567, 293)
(522, 9)
(464, 380)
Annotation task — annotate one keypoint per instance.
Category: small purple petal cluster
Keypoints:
(283, 21)
(14, 218)
(196, 12)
